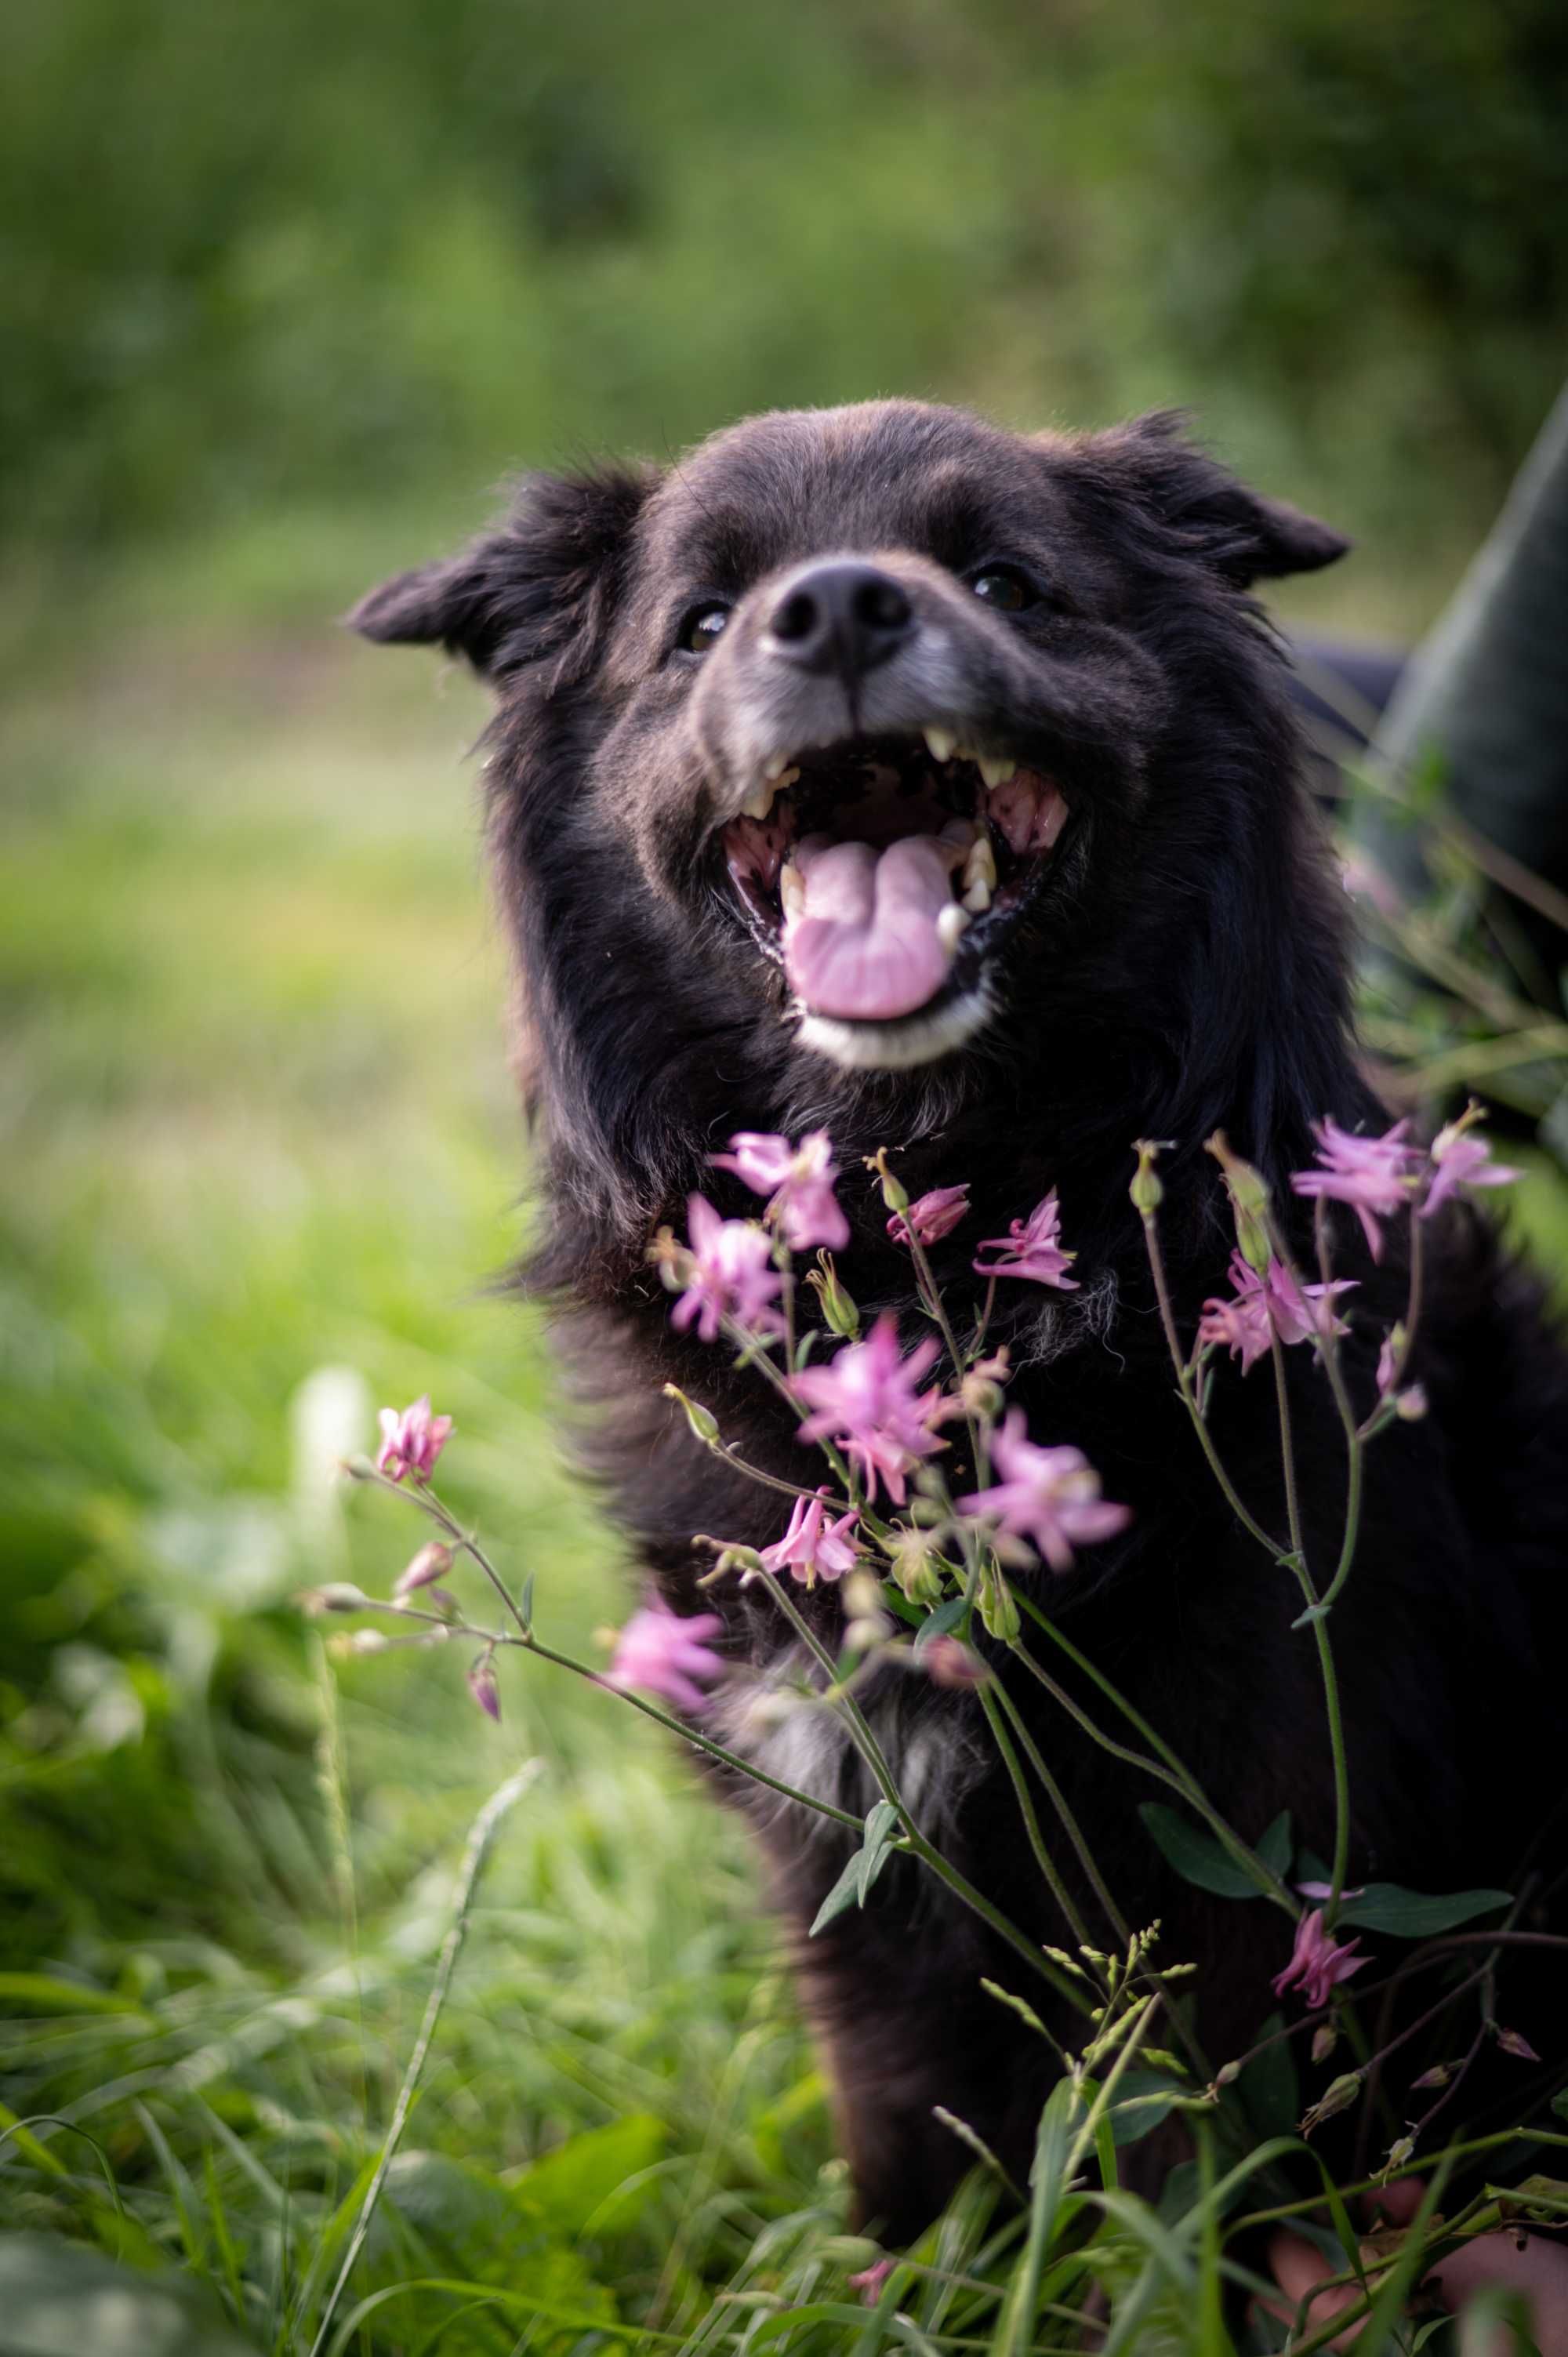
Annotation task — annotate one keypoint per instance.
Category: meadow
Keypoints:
(291, 290)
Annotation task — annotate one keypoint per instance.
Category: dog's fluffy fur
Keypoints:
(1181, 968)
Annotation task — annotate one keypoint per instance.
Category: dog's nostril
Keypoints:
(881, 605)
(796, 617)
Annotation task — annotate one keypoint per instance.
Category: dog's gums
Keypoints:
(885, 873)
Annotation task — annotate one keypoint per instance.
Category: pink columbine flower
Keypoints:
(1263, 1306)
(867, 1401)
(1411, 1401)
(868, 2283)
(949, 1662)
(930, 1217)
(1317, 1965)
(814, 1547)
(411, 1442)
(1462, 1159)
(798, 1181)
(483, 1687)
(732, 1274)
(1373, 1175)
(1050, 1496)
(662, 1653)
(1032, 1248)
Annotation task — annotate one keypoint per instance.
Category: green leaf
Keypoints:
(60, 2298)
(1274, 1846)
(1195, 1854)
(1150, 2095)
(853, 1884)
(880, 1828)
(1269, 2088)
(1411, 1915)
(940, 1623)
(576, 2187)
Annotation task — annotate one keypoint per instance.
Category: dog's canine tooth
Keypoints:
(995, 768)
(978, 898)
(758, 802)
(773, 768)
(792, 890)
(940, 743)
(979, 868)
(951, 925)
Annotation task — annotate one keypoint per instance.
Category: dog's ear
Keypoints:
(540, 591)
(1241, 533)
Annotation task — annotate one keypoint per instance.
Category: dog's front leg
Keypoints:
(893, 1995)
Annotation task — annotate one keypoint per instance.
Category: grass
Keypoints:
(257, 1126)
(260, 1160)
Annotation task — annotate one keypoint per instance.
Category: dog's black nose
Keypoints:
(843, 618)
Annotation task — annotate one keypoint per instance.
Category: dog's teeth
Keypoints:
(979, 868)
(978, 898)
(951, 922)
(774, 767)
(758, 802)
(941, 743)
(996, 769)
(792, 890)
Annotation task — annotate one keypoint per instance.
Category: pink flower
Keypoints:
(1459, 1160)
(808, 1548)
(732, 1274)
(868, 2283)
(662, 1653)
(1373, 1175)
(1272, 1305)
(483, 1687)
(1050, 1496)
(931, 1217)
(798, 1180)
(1031, 1248)
(867, 1403)
(411, 1442)
(1316, 1965)
(948, 1662)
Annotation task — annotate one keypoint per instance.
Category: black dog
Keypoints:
(1139, 935)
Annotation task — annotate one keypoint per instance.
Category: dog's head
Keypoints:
(872, 741)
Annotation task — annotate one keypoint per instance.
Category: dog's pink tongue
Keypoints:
(865, 943)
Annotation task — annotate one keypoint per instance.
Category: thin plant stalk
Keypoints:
(479, 1837)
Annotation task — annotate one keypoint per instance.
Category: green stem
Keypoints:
(1043, 1859)
(1069, 1823)
(1184, 1383)
(1177, 1774)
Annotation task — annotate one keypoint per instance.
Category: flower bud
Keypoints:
(1337, 2096)
(998, 1611)
(1410, 1406)
(1399, 2155)
(483, 1687)
(949, 1662)
(895, 1195)
(1146, 1190)
(916, 1564)
(431, 1563)
(838, 1309)
(1324, 2039)
(1438, 2076)
(1227, 2074)
(1511, 2042)
(704, 1424)
(337, 1595)
(1249, 1195)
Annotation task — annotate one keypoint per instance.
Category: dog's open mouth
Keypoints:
(884, 872)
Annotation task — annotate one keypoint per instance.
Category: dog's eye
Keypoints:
(1003, 587)
(702, 627)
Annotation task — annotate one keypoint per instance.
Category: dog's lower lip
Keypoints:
(884, 873)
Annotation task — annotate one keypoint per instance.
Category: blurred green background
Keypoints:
(285, 291)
